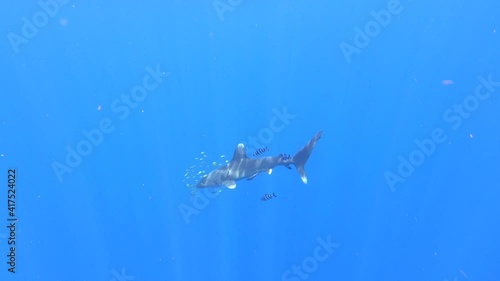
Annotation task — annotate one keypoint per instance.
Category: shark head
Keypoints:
(224, 175)
(215, 178)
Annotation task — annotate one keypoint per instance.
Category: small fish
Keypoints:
(260, 151)
(285, 157)
(268, 196)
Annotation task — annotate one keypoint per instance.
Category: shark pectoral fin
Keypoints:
(252, 177)
(302, 174)
(230, 184)
(270, 171)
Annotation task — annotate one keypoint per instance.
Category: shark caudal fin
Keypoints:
(301, 157)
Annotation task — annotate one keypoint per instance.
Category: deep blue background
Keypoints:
(120, 208)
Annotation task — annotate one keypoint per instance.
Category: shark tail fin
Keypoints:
(301, 157)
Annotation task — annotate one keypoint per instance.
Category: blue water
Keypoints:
(107, 107)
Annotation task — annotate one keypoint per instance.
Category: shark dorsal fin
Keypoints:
(239, 153)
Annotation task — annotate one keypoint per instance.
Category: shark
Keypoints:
(243, 167)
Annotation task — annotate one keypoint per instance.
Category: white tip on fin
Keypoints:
(270, 171)
(304, 179)
(302, 174)
(230, 184)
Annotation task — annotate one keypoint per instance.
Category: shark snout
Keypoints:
(214, 178)
(202, 182)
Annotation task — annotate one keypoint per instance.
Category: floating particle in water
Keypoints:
(63, 22)
(447, 82)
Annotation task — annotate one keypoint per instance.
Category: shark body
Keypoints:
(244, 167)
